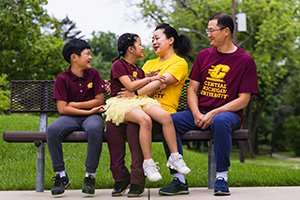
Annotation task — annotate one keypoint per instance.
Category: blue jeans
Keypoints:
(93, 125)
(222, 126)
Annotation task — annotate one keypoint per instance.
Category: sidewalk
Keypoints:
(238, 193)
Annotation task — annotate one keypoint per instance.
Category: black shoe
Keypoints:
(120, 188)
(135, 190)
(221, 187)
(60, 184)
(89, 185)
(175, 188)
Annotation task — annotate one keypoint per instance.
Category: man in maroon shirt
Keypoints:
(79, 97)
(222, 80)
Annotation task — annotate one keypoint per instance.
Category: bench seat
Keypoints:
(80, 136)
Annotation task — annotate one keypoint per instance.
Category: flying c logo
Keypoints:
(218, 73)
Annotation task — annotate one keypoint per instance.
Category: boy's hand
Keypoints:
(107, 87)
(98, 109)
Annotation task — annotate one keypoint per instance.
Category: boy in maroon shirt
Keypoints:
(79, 97)
(222, 80)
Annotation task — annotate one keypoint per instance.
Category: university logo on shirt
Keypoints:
(214, 85)
(90, 85)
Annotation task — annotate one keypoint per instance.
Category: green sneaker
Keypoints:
(89, 185)
(60, 184)
(135, 190)
(175, 188)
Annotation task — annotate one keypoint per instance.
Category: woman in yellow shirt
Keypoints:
(168, 45)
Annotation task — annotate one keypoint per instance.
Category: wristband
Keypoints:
(136, 93)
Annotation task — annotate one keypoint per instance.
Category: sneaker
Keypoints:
(60, 184)
(151, 171)
(135, 190)
(177, 163)
(221, 187)
(120, 188)
(89, 185)
(175, 188)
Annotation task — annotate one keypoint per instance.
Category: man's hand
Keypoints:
(198, 119)
(207, 119)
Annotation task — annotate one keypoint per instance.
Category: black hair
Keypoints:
(182, 44)
(224, 20)
(125, 40)
(74, 46)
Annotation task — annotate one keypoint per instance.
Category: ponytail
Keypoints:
(184, 45)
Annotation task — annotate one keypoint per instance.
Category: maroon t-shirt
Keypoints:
(121, 68)
(223, 76)
(71, 88)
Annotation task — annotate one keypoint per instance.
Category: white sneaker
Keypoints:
(177, 163)
(151, 171)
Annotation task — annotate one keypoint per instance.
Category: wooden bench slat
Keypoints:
(80, 136)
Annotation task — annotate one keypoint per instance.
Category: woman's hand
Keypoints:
(153, 73)
(160, 78)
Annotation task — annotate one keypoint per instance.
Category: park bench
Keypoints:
(34, 96)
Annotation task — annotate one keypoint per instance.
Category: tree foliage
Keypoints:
(27, 53)
(272, 39)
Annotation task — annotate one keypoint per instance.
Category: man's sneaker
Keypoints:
(60, 184)
(177, 163)
(89, 185)
(151, 171)
(221, 187)
(135, 190)
(175, 188)
(120, 188)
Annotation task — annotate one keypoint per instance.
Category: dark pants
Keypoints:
(116, 140)
(222, 126)
(93, 125)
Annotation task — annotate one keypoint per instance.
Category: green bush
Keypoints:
(4, 94)
(292, 131)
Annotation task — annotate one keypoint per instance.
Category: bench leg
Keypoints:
(211, 165)
(40, 160)
(241, 148)
(40, 168)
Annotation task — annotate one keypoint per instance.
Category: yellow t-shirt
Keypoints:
(175, 66)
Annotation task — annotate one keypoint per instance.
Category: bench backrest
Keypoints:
(29, 96)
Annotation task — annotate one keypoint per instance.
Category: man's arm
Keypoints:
(81, 108)
(233, 106)
(192, 100)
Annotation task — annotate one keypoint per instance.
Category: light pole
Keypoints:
(233, 13)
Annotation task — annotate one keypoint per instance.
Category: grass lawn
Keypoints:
(18, 164)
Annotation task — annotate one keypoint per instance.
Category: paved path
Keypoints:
(238, 193)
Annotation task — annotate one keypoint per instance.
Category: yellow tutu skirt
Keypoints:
(116, 108)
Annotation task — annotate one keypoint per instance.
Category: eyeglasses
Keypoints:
(213, 30)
